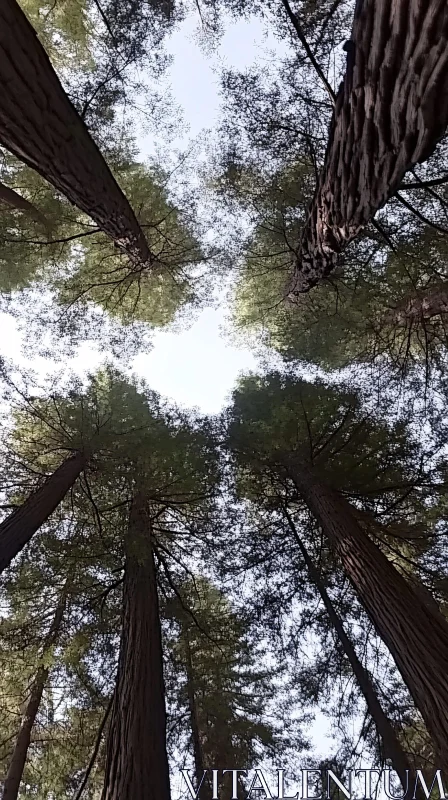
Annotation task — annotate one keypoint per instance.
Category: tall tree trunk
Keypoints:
(137, 761)
(16, 766)
(390, 112)
(41, 127)
(416, 636)
(199, 768)
(17, 529)
(392, 748)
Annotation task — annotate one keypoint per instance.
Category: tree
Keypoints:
(380, 128)
(49, 598)
(22, 524)
(45, 131)
(392, 747)
(265, 432)
(16, 766)
(223, 684)
(158, 474)
(82, 424)
(138, 721)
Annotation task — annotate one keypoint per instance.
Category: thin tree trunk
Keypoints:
(137, 761)
(390, 112)
(12, 198)
(41, 127)
(17, 529)
(416, 636)
(16, 766)
(199, 768)
(391, 745)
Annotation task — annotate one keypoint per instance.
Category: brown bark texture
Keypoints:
(390, 112)
(416, 637)
(392, 748)
(17, 529)
(137, 761)
(16, 766)
(40, 126)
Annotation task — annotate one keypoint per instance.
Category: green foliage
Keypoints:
(221, 493)
(276, 415)
(155, 294)
(227, 678)
(362, 315)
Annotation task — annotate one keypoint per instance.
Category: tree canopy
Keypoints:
(191, 602)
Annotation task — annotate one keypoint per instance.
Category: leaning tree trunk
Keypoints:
(41, 127)
(137, 761)
(416, 636)
(17, 529)
(390, 112)
(392, 748)
(16, 766)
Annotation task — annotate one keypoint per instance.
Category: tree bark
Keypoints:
(390, 112)
(392, 748)
(16, 766)
(137, 761)
(41, 127)
(413, 310)
(416, 637)
(17, 529)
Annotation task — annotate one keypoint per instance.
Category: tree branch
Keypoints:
(298, 28)
(419, 215)
(424, 184)
(95, 749)
(16, 200)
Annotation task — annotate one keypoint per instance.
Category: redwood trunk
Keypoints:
(41, 127)
(13, 778)
(391, 745)
(17, 529)
(390, 112)
(416, 636)
(137, 762)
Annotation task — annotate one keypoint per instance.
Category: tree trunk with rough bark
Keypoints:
(17, 529)
(41, 127)
(390, 112)
(421, 307)
(137, 761)
(392, 748)
(16, 766)
(416, 637)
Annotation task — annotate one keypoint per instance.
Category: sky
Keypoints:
(199, 366)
